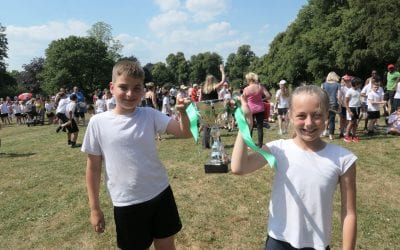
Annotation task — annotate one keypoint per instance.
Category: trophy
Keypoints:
(211, 112)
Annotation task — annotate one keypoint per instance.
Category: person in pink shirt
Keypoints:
(255, 93)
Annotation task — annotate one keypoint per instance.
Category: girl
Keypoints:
(308, 170)
(282, 99)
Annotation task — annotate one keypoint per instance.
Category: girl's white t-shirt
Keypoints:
(301, 205)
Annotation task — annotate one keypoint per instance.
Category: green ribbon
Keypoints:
(193, 116)
(245, 131)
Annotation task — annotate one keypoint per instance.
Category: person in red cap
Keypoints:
(392, 76)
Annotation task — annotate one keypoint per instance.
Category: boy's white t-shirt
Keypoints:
(300, 209)
(374, 97)
(62, 105)
(133, 170)
(354, 98)
(71, 106)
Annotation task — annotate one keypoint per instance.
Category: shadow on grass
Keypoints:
(15, 155)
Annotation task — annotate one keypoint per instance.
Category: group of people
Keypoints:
(308, 168)
(307, 172)
(356, 100)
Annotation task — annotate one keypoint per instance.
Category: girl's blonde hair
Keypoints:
(209, 84)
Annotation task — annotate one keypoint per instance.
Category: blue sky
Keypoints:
(149, 30)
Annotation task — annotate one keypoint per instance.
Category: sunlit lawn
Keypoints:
(43, 202)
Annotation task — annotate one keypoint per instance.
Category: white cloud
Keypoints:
(206, 10)
(49, 31)
(166, 5)
(165, 22)
(30, 42)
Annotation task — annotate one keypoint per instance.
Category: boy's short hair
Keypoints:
(128, 68)
(356, 81)
(73, 97)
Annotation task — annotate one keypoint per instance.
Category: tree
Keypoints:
(30, 79)
(102, 31)
(178, 64)
(76, 61)
(351, 36)
(3, 48)
(204, 64)
(238, 64)
(161, 74)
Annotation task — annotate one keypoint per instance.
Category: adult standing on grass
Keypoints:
(307, 173)
(209, 92)
(254, 93)
(392, 76)
(281, 103)
(332, 87)
(144, 205)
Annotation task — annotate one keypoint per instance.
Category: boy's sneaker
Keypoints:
(355, 139)
(58, 129)
(347, 138)
(331, 137)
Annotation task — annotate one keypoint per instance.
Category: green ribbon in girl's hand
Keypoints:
(193, 116)
(245, 131)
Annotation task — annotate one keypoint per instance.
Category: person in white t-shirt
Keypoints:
(353, 108)
(144, 206)
(306, 176)
(282, 105)
(375, 101)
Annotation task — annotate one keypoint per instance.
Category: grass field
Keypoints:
(43, 202)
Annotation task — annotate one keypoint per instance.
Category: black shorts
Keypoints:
(73, 127)
(343, 112)
(137, 225)
(356, 113)
(374, 115)
(62, 117)
(282, 111)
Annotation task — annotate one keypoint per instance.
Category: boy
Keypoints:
(353, 106)
(375, 99)
(71, 125)
(144, 205)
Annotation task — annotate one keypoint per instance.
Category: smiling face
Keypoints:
(128, 92)
(308, 117)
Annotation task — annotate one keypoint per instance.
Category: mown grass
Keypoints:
(43, 202)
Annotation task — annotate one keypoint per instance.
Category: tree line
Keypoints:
(347, 36)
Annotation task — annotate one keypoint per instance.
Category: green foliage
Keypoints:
(178, 64)
(8, 85)
(76, 61)
(161, 74)
(237, 65)
(29, 78)
(102, 31)
(204, 64)
(345, 36)
(3, 48)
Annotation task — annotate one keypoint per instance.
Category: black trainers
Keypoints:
(58, 129)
